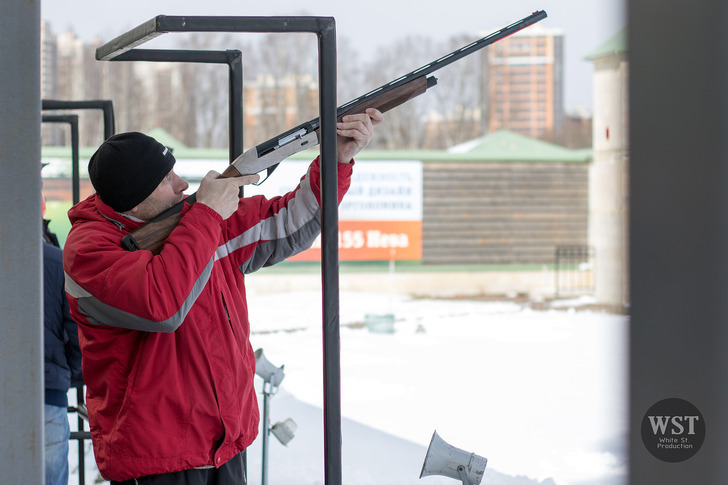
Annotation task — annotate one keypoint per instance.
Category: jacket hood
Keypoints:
(94, 209)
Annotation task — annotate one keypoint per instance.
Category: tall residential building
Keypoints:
(50, 135)
(48, 62)
(526, 83)
(272, 105)
(143, 96)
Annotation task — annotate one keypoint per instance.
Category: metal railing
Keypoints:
(574, 270)
(81, 435)
(106, 106)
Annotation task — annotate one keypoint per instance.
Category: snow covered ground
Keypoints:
(541, 394)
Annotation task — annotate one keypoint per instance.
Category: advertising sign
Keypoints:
(380, 217)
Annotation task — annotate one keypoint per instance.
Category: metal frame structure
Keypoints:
(75, 176)
(325, 29)
(106, 106)
(108, 113)
(233, 59)
(81, 435)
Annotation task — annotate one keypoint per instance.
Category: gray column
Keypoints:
(608, 196)
(21, 352)
(679, 227)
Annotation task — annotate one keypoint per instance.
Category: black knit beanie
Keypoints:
(127, 168)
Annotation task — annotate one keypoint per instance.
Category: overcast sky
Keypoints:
(372, 24)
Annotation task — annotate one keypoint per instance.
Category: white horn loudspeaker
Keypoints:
(446, 460)
(266, 370)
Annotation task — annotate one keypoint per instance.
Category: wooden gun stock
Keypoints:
(152, 235)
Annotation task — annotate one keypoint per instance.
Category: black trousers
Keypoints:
(231, 473)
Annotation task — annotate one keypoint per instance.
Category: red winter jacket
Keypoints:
(166, 358)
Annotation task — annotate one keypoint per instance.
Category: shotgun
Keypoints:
(269, 154)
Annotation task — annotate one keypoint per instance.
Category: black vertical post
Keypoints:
(235, 64)
(109, 127)
(330, 255)
(76, 174)
(73, 121)
(81, 447)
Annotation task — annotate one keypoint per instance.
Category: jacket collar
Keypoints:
(120, 220)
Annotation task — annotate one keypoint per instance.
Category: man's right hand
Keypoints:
(222, 194)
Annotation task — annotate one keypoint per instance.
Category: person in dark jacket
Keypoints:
(62, 360)
(48, 235)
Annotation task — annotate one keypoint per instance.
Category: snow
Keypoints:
(540, 394)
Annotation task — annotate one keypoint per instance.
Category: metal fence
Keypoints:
(574, 270)
(81, 435)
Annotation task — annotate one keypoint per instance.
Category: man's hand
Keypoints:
(222, 194)
(354, 132)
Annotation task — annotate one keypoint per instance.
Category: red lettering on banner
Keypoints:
(373, 241)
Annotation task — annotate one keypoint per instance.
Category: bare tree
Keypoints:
(351, 75)
(404, 123)
(458, 99)
(285, 75)
(280, 91)
(204, 93)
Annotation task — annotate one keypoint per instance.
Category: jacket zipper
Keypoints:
(227, 313)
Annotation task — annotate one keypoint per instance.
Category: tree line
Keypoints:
(191, 101)
(455, 105)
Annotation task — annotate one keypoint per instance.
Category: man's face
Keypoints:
(169, 192)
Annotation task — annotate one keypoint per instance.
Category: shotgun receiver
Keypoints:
(269, 154)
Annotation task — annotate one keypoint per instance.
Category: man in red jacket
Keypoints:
(167, 361)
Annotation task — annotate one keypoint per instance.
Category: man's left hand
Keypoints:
(354, 132)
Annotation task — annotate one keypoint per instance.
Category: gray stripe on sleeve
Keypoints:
(272, 252)
(100, 313)
(293, 229)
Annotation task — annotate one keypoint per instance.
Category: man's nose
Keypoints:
(182, 184)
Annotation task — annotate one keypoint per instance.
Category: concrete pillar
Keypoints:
(21, 310)
(608, 191)
(679, 229)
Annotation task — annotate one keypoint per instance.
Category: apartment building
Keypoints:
(525, 83)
